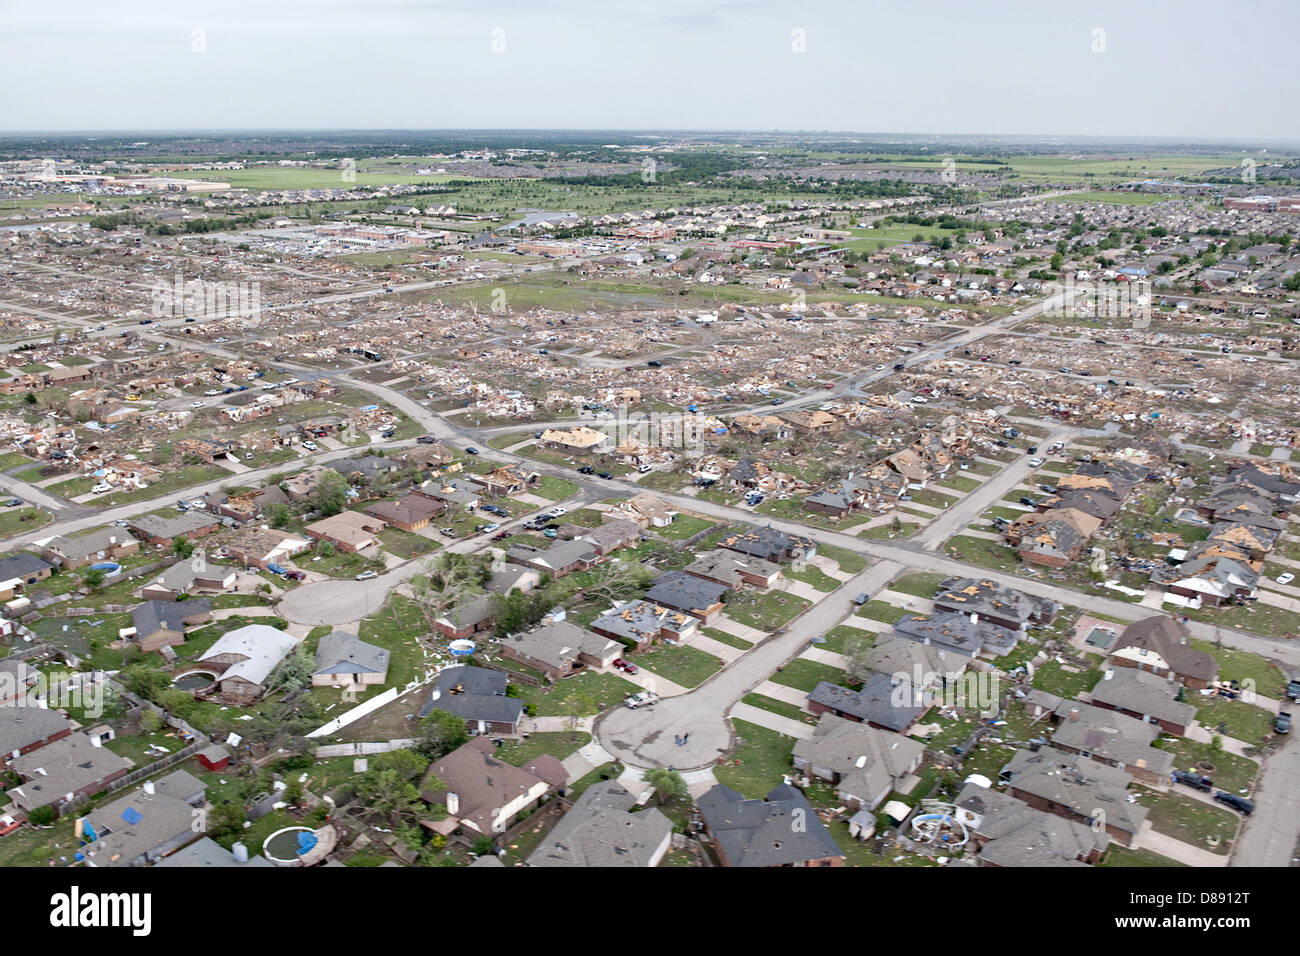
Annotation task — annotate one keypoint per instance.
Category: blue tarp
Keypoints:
(132, 815)
(306, 841)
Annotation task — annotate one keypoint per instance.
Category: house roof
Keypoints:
(726, 566)
(22, 564)
(1110, 735)
(869, 761)
(876, 701)
(340, 652)
(1143, 693)
(482, 783)
(560, 643)
(60, 768)
(153, 616)
(685, 592)
(207, 853)
(1170, 639)
(173, 526)
(22, 725)
(763, 832)
(474, 693)
(138, 823)
(601, 830)
(262, 647)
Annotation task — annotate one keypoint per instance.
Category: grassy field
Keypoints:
(22, 520)
(588, 693)
(1191, 821)
(803, 674)
(758, 761)
(685, 666)
(765, 610)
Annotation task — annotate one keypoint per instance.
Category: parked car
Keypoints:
(279, 569)
(490, 527)
(1282, 723)
(1035, 462)
(8, 824)
(1196, 780)
(502, 535)
(101, 488)
(606, 475)
(310, 446)
(1285, 577)
(1028, 502)
(367, 575)
(559, 512)
(1247, 807)
(1293, 689)
(295, 575)
(471, 450)
(642, 469)
(13, 502)
(625, 666)
(197, 404)
(426, 440)
(586, 470)
(861, 599)
(644, 699)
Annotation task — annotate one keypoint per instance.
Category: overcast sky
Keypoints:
(1181, 68)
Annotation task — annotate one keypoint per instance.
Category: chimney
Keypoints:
(453, 804)
(1074, 713)
(240, 851)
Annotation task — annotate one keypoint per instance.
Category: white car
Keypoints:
(310, 446)
(101, 488)
(1286, 578)
(880, 368)
(1035, 462)
(211, 392)
(825, 407)
(197, 404)
(559, 512)
(920, 399)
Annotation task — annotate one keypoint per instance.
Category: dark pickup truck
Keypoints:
(1245, 806)
(1293, 689)
(1199, 781)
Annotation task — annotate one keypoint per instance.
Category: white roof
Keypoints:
(262, 646)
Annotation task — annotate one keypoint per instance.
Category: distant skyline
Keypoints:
(1187, 70)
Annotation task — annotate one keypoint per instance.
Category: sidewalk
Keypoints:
(1149, 839)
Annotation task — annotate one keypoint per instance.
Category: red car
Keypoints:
(625, 666)
(8, 824)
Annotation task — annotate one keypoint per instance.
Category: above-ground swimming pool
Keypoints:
(281, 847)
(108, 567)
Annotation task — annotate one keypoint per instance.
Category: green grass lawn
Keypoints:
(554, 489)
(765, 610)
(22, 520)
(922, 585)
(1054, 679)
(685, 666)
(880, 611)
(559, 744)
(1117, 855)
(1192, 821)
(840, 638)
(683, 526)
(803, 674)
(849, 561)
(722, 637)
(757, 762)
(987, 554)
(1269, 680)
(814, 576)
(588, 692)
(763, 702)
(960, 482)
(1231, 772)
(1245, 722)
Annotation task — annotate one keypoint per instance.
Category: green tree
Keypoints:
(330, 496)
(277, 514)
(441, 733)
(668, 784)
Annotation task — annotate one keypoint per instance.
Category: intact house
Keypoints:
(24, 728)
(881, 702)
(409, 513)
(1114, 739)
(864, 764)
(344, 660)
(1146, 697)
(561, 558)
(687, 593)
(349, 531)
(103, 544)
(1162, 646)
(780, 830)
(1009, 832)
(163, 530)
(484, 794)
(188, 577)
(72, 766)
(159, 624)
(559, 648)
(467, 617)
(146, 825)
(1074, 787)
(19, 571)
(613, 534)
(638, 624)
(478, 696)
(606, 827)
(245, 658)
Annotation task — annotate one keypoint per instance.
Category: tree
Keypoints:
(294, 672)
(330, 496)
(277, 514)
(447, 577)
(668, 784)
(441, 733)
(183, 547)
(93, 579)
(389, 790)
(617, 579)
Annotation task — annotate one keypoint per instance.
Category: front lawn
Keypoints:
(1055, 679)
(1196, 823)
(684, 666)
(722, 637)
(803, 674)
(1234, 718)
(589, 693)
(758, 761)
(765, 610)
(559, 744)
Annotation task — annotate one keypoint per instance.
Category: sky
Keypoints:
(1188, 69)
